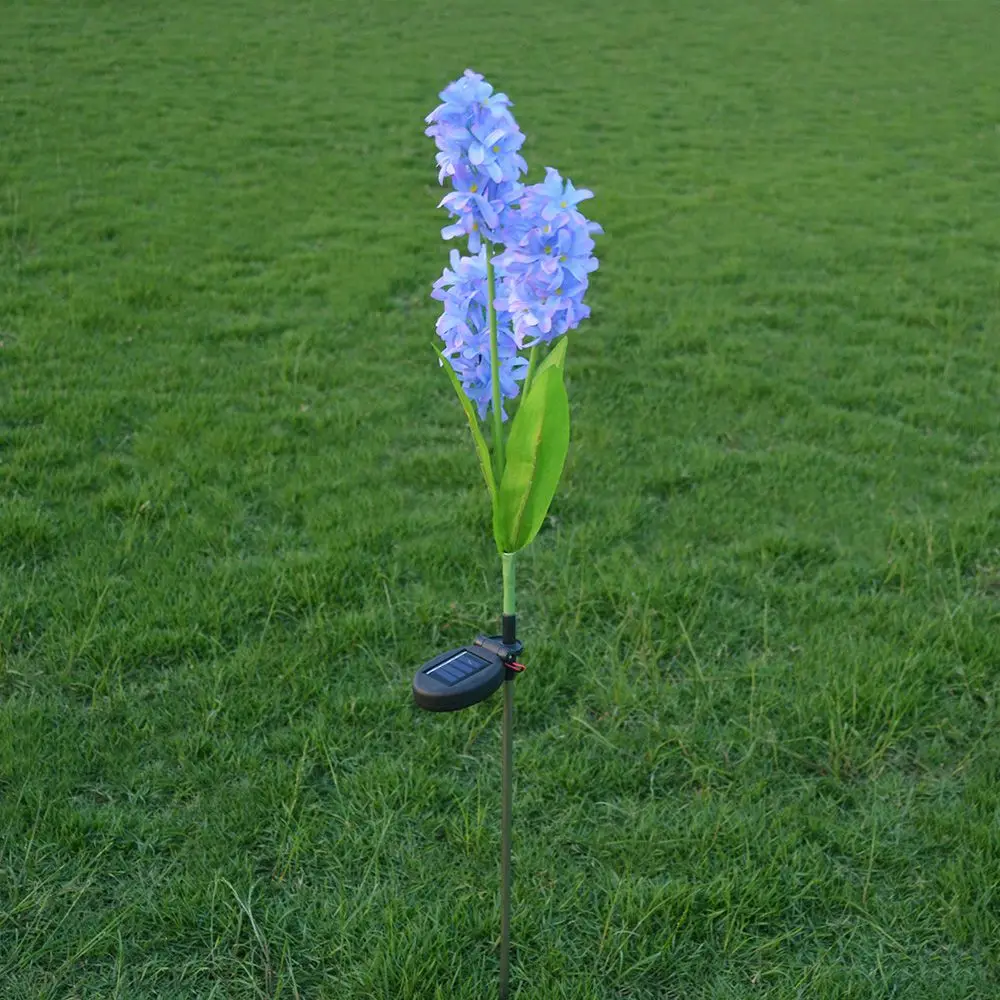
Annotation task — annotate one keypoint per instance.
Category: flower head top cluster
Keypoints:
(478, 142)
(464, 326)
(540, 275)
(547, 260)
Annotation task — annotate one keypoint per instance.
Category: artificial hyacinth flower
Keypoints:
(553, 197)
(522, 286)
(478, 142)
(547, 260)
(478, 205)
(464, 326)
(540, 278)
(475, 126)
(464, 97)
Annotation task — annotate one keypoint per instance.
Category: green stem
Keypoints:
(498, 455)
(508, 583)
(532, 360)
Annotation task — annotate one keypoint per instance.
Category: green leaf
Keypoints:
(555, 358)
(536, 452)
(477, 435)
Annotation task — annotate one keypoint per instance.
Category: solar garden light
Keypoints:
(520, 290)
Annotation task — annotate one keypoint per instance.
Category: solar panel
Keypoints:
(463, 664)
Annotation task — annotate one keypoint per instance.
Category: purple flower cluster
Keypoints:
(541, 275)
(478, 142)
(547, 260)
(464, 326)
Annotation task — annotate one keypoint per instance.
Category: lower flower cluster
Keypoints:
(464, 326)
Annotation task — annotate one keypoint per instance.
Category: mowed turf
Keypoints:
(757, 744)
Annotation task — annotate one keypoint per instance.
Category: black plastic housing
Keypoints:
(430, 690)
(439, 686)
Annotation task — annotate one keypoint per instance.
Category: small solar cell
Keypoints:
(460, 666)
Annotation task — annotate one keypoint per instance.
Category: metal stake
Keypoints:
(505, 821)
(509, 621)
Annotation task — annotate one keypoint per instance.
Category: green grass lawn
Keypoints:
(757, 744)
